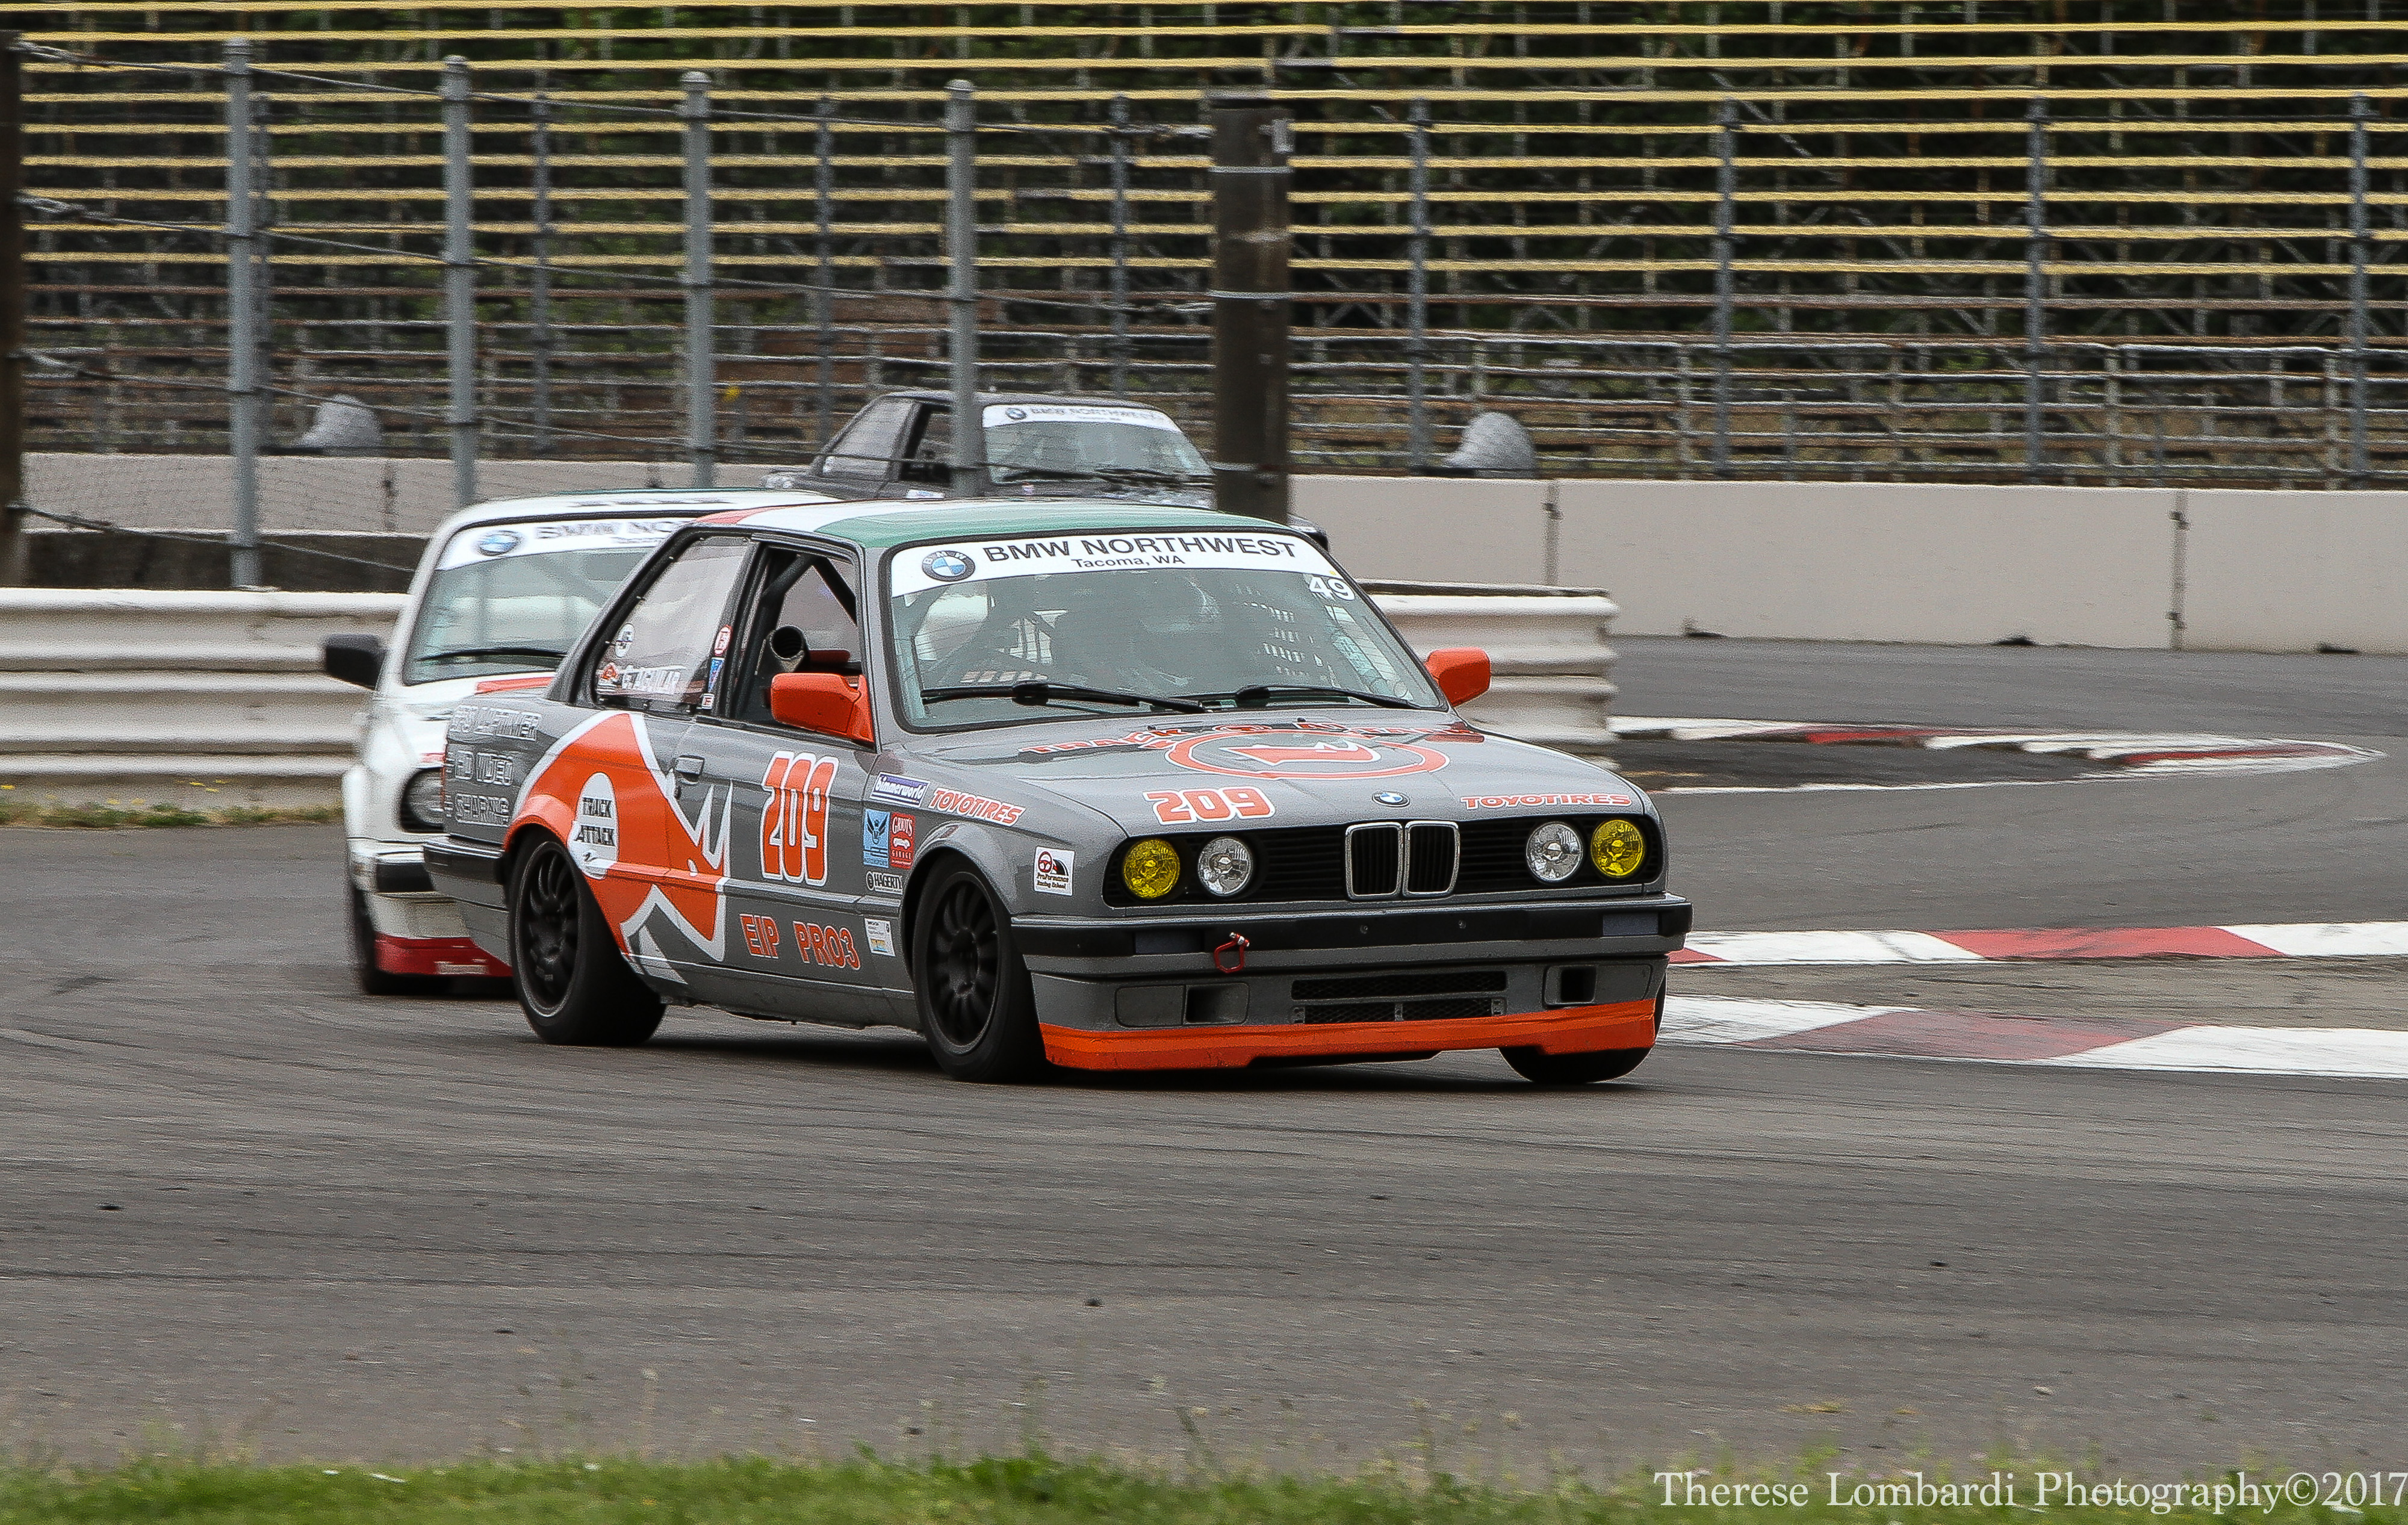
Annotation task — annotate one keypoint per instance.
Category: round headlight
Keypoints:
(1225, 866)
(1618, 848)
(1552, 852)
(421, 802)
(1151, 869)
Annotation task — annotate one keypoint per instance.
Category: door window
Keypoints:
(807, 617)
(667, 652)
(870, 447)
(932, 452)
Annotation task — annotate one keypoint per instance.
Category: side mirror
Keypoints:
(824, 702)
(354, 658)
(1462, 673)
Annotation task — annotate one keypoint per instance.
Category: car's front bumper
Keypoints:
(1143, 994)
(417, 928)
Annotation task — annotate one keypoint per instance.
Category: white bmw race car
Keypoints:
(504, 588)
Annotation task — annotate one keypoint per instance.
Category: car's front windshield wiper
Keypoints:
(1255, 696)
(480, 653)
(1045, 693)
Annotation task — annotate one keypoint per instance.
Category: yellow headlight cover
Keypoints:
(1618, 848)
(1151, 869)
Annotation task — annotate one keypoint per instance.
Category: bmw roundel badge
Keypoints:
(1389, 796)
(501, 542)
(947, 565)
(1016, 414)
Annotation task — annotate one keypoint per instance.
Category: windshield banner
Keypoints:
(968, 561)
(492, 542)
(1003, 415)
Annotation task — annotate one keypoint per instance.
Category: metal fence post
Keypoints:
(824, 307)
(539, 338)
(961, 257)
(1120, 278)
(1251, 306)
(1418, 425)
(13, 554)
(1726, 235)
(2358, 240)
(2035, 290)
(701, 419)
(460, 280)
(242, 316)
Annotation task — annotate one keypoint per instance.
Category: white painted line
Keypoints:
(2357, 1053)
(2331, 939)
(1721, 1019)
(1831, 949)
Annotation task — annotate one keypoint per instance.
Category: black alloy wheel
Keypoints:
(975, 1008)
(1536, 1064)
(571, 981)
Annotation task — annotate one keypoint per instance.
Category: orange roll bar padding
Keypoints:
(1572, 1029)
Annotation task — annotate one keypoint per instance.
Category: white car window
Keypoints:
(513, 598)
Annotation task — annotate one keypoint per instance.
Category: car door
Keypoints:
(810, 941)
(650, 831)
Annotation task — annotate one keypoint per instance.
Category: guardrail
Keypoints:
(201, 699)
(207, 700)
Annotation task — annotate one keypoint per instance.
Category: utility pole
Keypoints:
(242, 313)
(701, 417)
(1250, 307)
(13, 568)
(961, 258)
(460, 280)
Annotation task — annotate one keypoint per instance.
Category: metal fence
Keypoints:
(1835, 256)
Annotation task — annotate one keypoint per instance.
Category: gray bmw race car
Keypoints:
(1100, 785)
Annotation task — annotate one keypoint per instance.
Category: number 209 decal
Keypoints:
(1174, 807)
(795, 818)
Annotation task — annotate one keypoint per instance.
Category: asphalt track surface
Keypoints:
(238, 1199)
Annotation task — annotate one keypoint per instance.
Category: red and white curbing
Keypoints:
(2121, 753)
(2299, 940)
(2093, 1044)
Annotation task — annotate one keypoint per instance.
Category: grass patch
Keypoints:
(144, 813)
(1024, 1490)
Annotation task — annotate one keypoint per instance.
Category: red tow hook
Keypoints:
(1237, 943)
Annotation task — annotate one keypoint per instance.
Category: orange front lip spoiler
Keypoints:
(1570, 1030)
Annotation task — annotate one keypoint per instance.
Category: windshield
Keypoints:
(1108, 623)
(514, 597)
(1029, 441)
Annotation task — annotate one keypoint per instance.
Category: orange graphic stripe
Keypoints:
(1572, 1029)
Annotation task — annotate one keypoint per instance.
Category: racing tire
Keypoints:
(372, 980)
(1545, 1069)
(975, 1008)
(571, 980)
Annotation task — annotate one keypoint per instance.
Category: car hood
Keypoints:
(1309, 767)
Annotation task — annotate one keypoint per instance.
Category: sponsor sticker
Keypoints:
(1052, 871)
(978, 808)
(1051, 556)
(760, 935)
(593, 840)
(877, 834)
(719, 647)
(880, 935)
(1520, 801)
(831, 947)
(1180, 807)
(884, 883)
(899, 790)
(492, 542)
(1003, 415)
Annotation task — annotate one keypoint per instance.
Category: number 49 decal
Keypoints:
(1173, 807)
(795, 818)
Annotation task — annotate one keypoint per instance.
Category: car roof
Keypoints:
(1050, 399)
(879, 526)
(628, 502)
